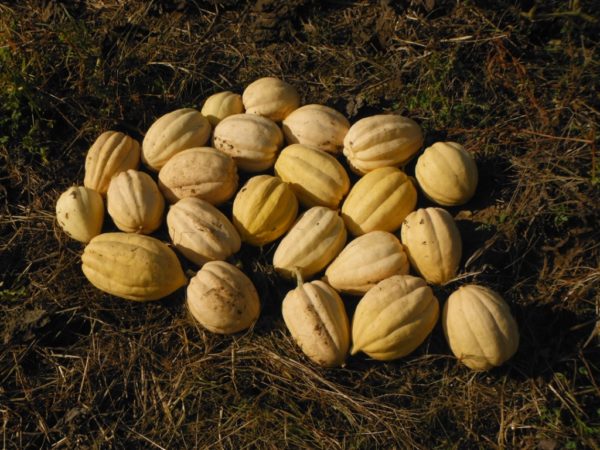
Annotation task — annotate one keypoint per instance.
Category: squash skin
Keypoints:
(221, 105)
(379, 201)
(112, 152)
(314, 240)
(252, 141)
(172, 133)
(479, 327)
(80, 213)
(270, 97)
(385, 140)
(366, 261)
(394, 318)
(316, 318)
(132, 266)
(201, 172)
(222, 298)
(264, 209)
(316, 177)
(447, 174)
(134, 202)
(316, 126)
(201, 232)
(433, 244)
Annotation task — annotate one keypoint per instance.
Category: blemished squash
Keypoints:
(447, 173)
(134, 202)
(379, 201)
(394, 318)
(316, 318)
(479, 327)
(221, 105)
(112, 152)
(172, 133)
(316, 177)
(271, 98)
(222, 298)
(202, 172)
(264, 209)
(316, 126)
(132, 266)
(80, 213)
(314, 240)
(201, 232)
(433, 244)
(252, 141)
(383, 140)
(366, 261)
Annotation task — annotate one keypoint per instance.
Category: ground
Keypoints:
(516, 82)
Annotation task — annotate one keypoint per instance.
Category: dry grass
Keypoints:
(518, 86)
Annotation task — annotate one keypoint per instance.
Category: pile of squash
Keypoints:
(356, 240)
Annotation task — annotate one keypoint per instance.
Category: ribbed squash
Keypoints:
(366, 261)
(264, 209)
(316, 126)
(447, 173)
(252, 141)
(382, 141)
(270, 97)
(172, 133)
(80, 213)
(222, 298)
(111, 153)
(201, 232)
(479, 327)
(314, 240)
(221, 105)
(132, 266)
(379, 201)
(134, 202)
(433, 244)
(202, 172)
(394, 318)
(316, 318)
(316, 177)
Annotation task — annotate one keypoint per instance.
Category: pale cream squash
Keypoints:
(479, 327)
(222, 298)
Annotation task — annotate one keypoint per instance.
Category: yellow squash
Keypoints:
(132, 266)
(264, 209)
(316, 177)
(379, 201)
(394, 318)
